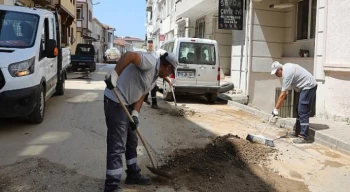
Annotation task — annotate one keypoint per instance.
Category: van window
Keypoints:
(17, 30)
(197, 53)
(44, 37)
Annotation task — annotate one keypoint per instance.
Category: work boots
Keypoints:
(137, 179)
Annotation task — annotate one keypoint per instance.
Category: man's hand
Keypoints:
(135, 116)
(111, 79)
(169, 81)
(275, 112)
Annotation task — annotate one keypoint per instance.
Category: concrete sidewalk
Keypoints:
(335, 135)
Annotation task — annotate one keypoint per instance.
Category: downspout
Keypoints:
(250, 49)
(186, 27)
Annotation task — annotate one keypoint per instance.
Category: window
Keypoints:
(44, 37)
(197, 53)
(90, 15)
(79, 14)
(200, 28)
(170, 47)
(306, 19)
(17, 30)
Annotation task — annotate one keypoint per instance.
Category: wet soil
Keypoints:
(229, 163)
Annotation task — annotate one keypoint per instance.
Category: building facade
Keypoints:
(311, 33)
(84, 21)
(98, 36)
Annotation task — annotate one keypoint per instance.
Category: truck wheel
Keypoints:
(211, 97)
(60, 87)
(167, 96)
(37, 116)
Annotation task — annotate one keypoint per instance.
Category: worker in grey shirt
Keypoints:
(298, 78)
(134, 76)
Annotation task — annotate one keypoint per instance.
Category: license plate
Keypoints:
(82, 63)
(185, 74)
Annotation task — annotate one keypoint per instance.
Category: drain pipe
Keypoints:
(250, 49)
(186, 27)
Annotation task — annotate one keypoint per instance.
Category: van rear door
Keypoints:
(187, 70)
(200, 61)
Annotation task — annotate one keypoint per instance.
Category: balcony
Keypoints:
(79, 23)
(50, 3)
(149, 5)
(194, 8)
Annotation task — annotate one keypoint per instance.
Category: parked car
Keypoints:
(112, 55)
(199, 68)
(84, 58)
(33, 64)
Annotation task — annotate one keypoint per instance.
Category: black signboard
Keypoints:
(230, 14)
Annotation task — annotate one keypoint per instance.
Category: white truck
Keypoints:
(33, 64)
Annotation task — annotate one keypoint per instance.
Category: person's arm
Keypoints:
(143, 61)
(138, 104)
(281, 99)
(167, 80)
(126, 59)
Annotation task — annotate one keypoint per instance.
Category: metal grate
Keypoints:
(289, 107)
(2, 80)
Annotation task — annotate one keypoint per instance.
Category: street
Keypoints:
(67, 152)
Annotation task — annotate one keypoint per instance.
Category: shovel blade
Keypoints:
(159, 172)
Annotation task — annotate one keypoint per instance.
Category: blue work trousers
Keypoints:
(120, 139)
(306, 99)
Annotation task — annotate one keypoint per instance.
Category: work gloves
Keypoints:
(135, 116)
(275, 112)
(111, 79)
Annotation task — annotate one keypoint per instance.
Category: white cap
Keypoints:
(170, 57)
(275, 65)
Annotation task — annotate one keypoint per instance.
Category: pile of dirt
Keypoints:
(177, 112)
(37, 174)
(229, 163)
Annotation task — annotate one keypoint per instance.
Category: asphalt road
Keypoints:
(73, 135)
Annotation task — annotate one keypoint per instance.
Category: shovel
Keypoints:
(172, 90)
(154, 168)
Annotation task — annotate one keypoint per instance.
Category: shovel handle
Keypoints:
(137, 130)
(172, 90)
(266, 125)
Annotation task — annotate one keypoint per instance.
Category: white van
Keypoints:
(113, 55)
(199, 68)
(33, 64)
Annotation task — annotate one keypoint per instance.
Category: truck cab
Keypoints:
(31, 65)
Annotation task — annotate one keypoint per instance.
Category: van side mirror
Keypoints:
(51, 50)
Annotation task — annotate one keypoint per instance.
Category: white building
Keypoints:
(273, 30)
(98, 36)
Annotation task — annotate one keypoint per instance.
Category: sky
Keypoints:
(128, 17)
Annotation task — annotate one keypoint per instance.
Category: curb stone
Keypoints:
(317, 136)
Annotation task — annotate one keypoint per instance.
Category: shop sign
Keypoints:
(161, 37)
(230, 14)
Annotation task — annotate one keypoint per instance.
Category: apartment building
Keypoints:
(109, 36)
(99, 37)
(84, 21)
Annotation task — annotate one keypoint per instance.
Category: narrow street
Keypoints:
(67, 151)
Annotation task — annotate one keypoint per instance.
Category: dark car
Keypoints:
(84, 57)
